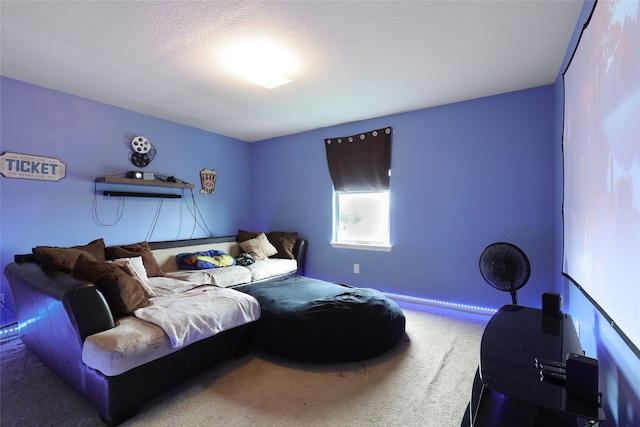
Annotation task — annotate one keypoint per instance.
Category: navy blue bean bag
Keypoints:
(313, 320)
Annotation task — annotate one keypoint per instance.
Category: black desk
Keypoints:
(507, 390)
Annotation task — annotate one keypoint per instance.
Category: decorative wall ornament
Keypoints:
(143, 151)
(29, 166)
(208, 180)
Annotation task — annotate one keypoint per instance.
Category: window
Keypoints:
(362, 220)
(360, 169)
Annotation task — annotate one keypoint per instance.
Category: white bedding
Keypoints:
(273, 267)
(222, 276)
(237, 275)
(199, 313)
(163, 286)
(131, 343)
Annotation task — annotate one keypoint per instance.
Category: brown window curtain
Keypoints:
(360, 162)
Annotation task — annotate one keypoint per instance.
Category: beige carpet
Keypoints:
(425, 381)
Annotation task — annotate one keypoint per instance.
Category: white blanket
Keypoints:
(193, 315)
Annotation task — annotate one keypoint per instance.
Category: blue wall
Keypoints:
(93, 139)
(619, 367)
(463, 176)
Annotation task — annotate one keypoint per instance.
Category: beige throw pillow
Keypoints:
(283, 241)
(259, 247)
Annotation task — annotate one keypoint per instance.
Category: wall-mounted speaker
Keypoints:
(552, 304)
(582, 377)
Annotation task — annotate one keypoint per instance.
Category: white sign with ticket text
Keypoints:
(28, 166)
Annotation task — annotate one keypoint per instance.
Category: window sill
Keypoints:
(362, 246)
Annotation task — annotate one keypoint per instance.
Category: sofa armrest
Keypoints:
(45, 295)
(55, 313)
(300, 253)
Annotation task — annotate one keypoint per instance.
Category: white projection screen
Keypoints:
(601, 155)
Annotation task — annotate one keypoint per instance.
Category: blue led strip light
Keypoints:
(9, 331)
(445, 304)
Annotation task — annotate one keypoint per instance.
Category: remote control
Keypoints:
(540, 362)
(545, 369)
(552, 376)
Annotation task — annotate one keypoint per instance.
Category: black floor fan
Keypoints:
(505, 267)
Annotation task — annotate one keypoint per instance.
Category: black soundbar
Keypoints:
(129, 194)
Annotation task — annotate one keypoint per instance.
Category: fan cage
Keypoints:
(505, 267)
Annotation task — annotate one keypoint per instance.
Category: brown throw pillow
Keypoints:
(133, 250)
(123, 294)
(244, 235)
(95, 248)
(64, 259)
(282, 240)
(132, 271)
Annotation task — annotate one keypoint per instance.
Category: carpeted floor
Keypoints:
(425, 381)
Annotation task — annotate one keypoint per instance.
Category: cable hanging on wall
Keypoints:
(96, 218)
(195, 218)
(198, 218)
(155, 220)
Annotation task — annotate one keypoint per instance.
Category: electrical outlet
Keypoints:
(356, 268)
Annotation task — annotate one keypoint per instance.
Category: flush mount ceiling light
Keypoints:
(267, 80)
(260, 61)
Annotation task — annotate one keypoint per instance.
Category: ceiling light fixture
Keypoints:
(260, 61)
(267, 80)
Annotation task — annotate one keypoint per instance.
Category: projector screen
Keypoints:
(601, 154)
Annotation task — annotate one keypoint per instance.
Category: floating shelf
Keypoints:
(144, 182)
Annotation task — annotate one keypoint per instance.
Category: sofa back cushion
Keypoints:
(64, 259)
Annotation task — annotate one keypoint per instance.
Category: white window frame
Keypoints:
(360, 245)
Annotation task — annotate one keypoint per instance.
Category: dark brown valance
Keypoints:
(360, 162)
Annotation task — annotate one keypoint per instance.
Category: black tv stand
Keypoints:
(508, 390)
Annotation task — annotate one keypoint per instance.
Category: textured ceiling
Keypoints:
(357, 60)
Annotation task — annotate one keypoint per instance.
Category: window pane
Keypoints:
(363, 218)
